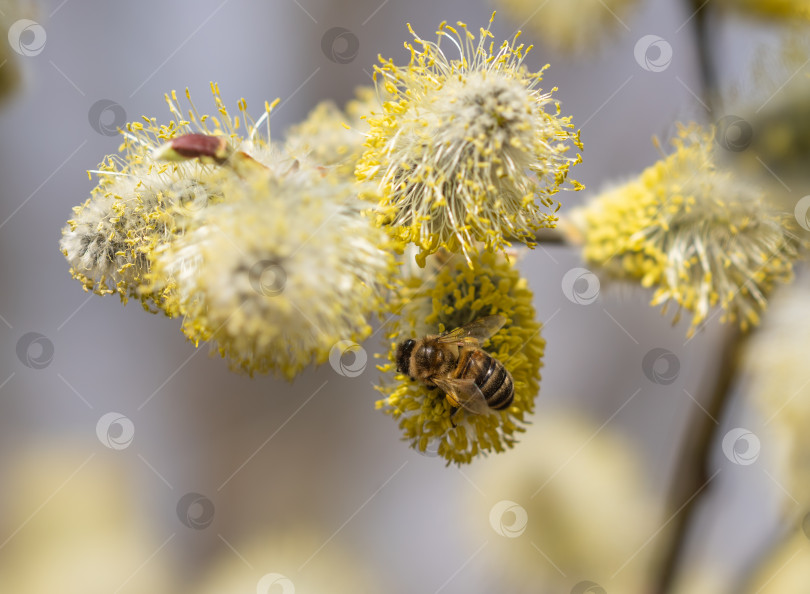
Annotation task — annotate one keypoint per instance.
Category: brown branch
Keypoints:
(691, 474)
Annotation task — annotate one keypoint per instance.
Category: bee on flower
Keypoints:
(701, 236)
(467, 149)
(491, 303)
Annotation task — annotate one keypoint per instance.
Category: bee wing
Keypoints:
(465, 392)
(476, 332)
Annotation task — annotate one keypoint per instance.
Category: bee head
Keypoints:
(404, 350)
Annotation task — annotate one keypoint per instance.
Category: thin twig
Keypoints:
(691, 471)
(703, 41)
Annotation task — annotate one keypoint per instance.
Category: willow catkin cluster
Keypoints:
(450, 294)
(279, 274)
(467, 149)
(332, 137)
(142, 202)
(699, 235)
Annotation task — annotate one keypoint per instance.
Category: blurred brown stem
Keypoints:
(565, 233)
(691, 476)
(708, 74)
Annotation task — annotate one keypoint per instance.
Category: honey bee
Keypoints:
(455, 362)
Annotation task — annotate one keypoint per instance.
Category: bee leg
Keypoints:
(453, 414)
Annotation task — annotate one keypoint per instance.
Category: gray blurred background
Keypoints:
(270, 455)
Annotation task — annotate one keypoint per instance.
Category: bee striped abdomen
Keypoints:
(492, 378)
